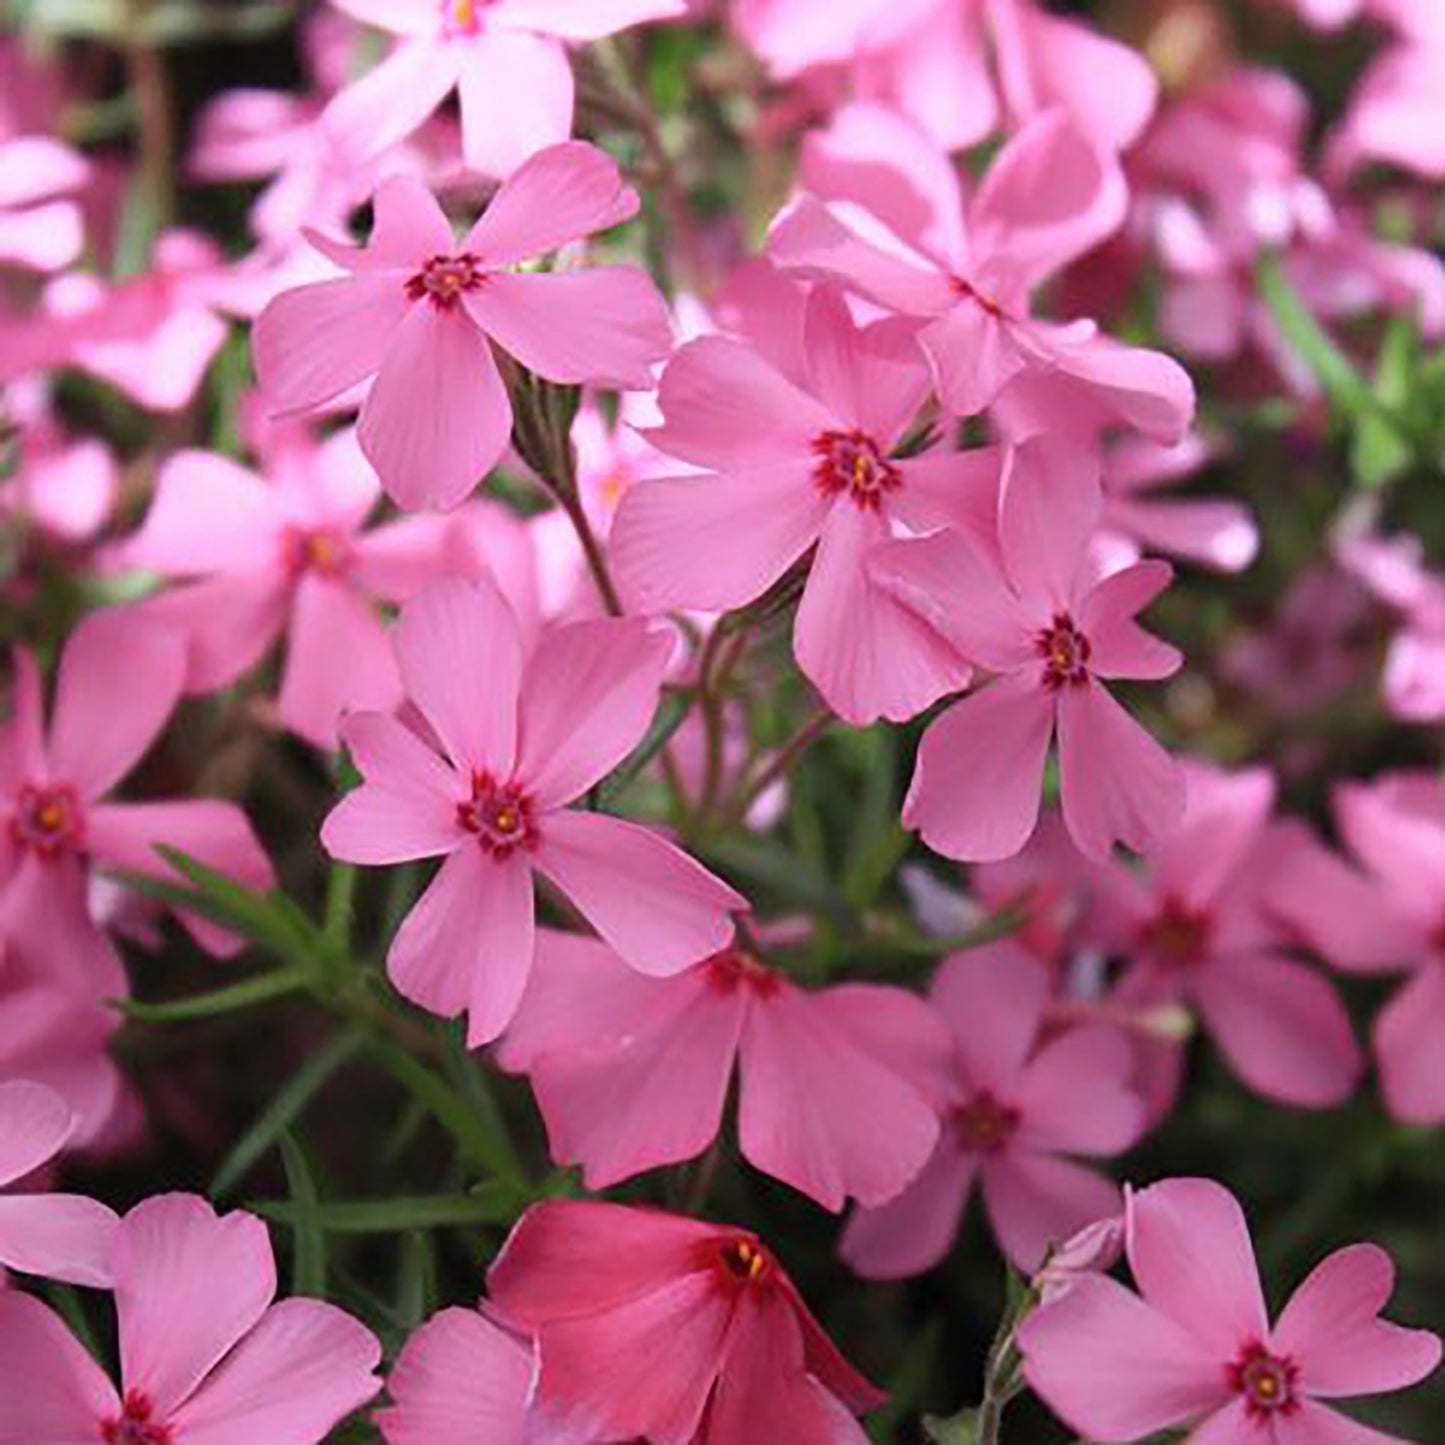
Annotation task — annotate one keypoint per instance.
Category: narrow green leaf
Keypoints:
(285, 1109)
(260, 988)
(308, 1259)
(906, 1386)
(397, 1215)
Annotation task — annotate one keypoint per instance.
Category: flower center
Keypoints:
(733, 969)
(1065, 651)
(462, 17)
(48, 821)
(983, 1123)
(850, 461)
(135, 1425)
(321, 551)
(744, 1261)
(443, 280)
(1177, 936)
(966, 290)
(1266, 1381)
(501, 815)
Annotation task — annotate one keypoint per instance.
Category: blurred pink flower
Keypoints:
(506, 59)
(883, 212)
(1033, 611)
(41, 225)
(1396, 114)
(206, 1356)
(58, 1236)
(793, 466)
(631, 1073)
(419, 313)
(1195, 1347)
(520, 737)
(654, 1326)
(286, 551)
(1013, 1098)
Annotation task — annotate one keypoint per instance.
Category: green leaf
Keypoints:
(308, 1259)
(499, 1205)
(260, 988)
(285, 1109)
(1380, 453)
(907, 1385)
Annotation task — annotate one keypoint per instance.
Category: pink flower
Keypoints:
(119, 681)
(60, 1236)
(41, 225)
(886, 216)
(1195, 1347)
(505, 59)
(461, 1379)
(1384, 914)
(290, 553)
(420, 314)
(206, 1357)
(793, 466)
(632, 1073)
(1198, 927)
(1013, 1098)
(519, 739)
(1035, 614)
(1396, 115)
(654, 1326)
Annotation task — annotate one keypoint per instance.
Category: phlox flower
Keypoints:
(118, 682)
(1013, 1098)
(41, 225)
(1036, 614)
(60, 1236)
(206, 1357)
(1396, 114)
(1381, 912)
(631, 1073)
(286, 551)
(419, 313)
(794, 464)
(520, 737)
(1195, 1348)
(653, 1326)
(506, 59)
(883, 212)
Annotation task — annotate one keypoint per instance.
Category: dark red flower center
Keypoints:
(1177, 936)
(320, 550)
(1266, 1381)
(135, 1425)
(502, 815)
(49, 821)
(734, 968)
(851, 462)
(983, 1123)
(743, 1261)
(444, 279)
(1065, 651)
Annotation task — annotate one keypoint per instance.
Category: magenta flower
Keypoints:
(1035, 614)
(206, 1357)
(632, 1073)
(289, 553)
(120, 678)
(419, 313)
(60, 1236)
(506, 59)
(1013, 1098)
(41, 224)
(884, 214)
(794, 463)
(1198, 927)
(1385, 914)
(519, 738)
(1195, 1347)
(652, 1326)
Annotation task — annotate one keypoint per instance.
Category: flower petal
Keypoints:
(516, 93)
(1036, 1203)
(1120, 647)
(54, 1393)
(35, 1123)
(58, 1236)
(390, 101)
(1049, 508)
(1407, 1042)
(911, 1234)
(1076, 1095)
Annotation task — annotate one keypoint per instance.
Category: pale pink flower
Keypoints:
(520, 737)
(1198, 926)
(41, 225)
(119, 681)
(288, 551)
(420, 313)
(1195, 1347)
(657, 1327)
(506, 59)
(205, 1355)
(1035, 614)
(1013, 1098)
(631, 1073)
(884, 214)
(59, 1236)
(1383, 912)
(793, 466)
